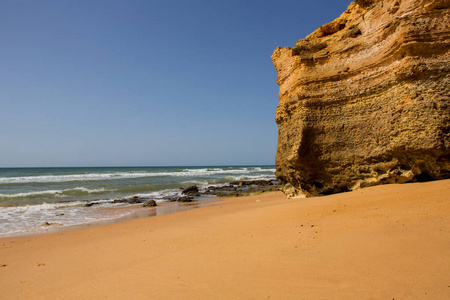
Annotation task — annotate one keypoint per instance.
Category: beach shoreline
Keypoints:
(41, 200)
(132, 213)
(382, 242)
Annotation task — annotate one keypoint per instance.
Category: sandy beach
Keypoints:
(383, 242)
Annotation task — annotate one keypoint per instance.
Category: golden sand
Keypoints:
(384, 242)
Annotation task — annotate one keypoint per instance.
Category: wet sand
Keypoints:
(382, 242)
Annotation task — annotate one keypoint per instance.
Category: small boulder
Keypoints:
(185, 199)
(192, 190)
(150, 203)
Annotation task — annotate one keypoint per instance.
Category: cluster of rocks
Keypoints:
(243, 188)
(233, 189)
(191, 193)
(146, 201)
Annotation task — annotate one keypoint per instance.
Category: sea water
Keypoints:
(32, 198)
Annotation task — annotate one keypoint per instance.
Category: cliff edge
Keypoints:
(365, 99)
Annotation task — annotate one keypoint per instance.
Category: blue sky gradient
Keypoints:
(143, 83)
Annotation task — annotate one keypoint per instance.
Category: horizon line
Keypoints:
(154, 166)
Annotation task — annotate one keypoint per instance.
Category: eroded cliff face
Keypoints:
(364, 100)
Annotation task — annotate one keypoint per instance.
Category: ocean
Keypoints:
(36, 200)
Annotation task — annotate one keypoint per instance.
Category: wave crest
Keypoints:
(128, 175)
(56, 193)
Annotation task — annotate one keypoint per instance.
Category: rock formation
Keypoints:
(364, 100)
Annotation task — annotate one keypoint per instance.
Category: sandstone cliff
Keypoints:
(364, 99)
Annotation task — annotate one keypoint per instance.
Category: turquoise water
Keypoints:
(31, 196)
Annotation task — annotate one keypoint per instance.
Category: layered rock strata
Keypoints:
(364, 100)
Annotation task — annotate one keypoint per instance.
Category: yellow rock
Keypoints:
(364, 99)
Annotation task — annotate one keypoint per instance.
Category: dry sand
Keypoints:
(384, 242)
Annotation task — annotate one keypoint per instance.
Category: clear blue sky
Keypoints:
(141, 83)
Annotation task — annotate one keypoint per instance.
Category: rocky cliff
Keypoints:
(365, 99)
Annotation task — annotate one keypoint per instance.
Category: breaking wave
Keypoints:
(128, 175)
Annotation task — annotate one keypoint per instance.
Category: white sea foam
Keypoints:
(46, 216)
(57, 193)
(249, 177)
(30, 218)
(160, 195)
(202, 172)
(38, 207)
(73, 177)
(23, 218)
(127, 175)
(195, 182)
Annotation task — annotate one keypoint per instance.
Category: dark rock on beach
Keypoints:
(243, 188)
(254, 182)
(185, 199)
(192, 191)
(180, 198)
(190, 194)
(133, 200)
(150, 203)
(120, 201)
(91, 204)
